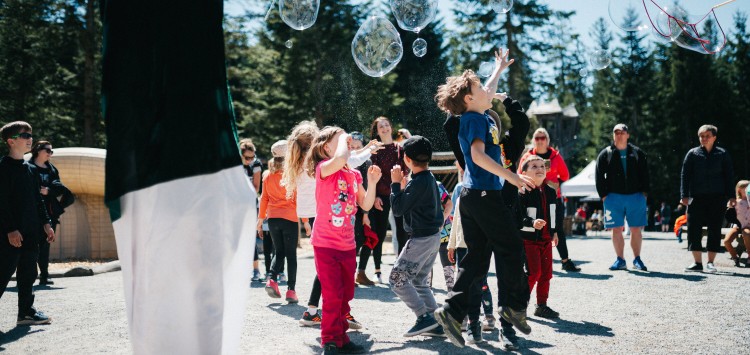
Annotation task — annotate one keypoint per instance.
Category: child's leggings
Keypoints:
(539, 265)
(336, 273)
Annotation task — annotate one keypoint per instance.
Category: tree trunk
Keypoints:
(90, 106)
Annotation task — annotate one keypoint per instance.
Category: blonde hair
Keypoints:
(450, 96)
(247, 144)
(318, 149)
(742, 184)
(542, 131)
(276, 164)
(299, 140)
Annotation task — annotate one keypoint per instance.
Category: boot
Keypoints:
(362, 279)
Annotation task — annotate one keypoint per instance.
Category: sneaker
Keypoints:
(619, 264)
(424, 323)
(379, 278)
(282, 277)
(272, 288)
(437, 332)
(542, 310)
(35, 319)
(638, 264)
(256, 275)
(489, 324)
(569, 266)
(351, 348)
(517, 318)
(43, 282)
(736, 263)
(695, 267)
(330, 349)
(451, 326)
(309, 320)
(465, 324)
(291, 296)
(474, 333)
(353, 324)
(710, 268)
(362, 279)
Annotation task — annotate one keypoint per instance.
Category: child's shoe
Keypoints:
(542, 310)
(309, 320)
(256, 275)
(517, 318)
(272, 288)
(379, 278)
(291, 296)
(37, 318)
(282, 277)
(351, 348)
(353, 324)
(489, 323)
(474, 333)
(425, 322)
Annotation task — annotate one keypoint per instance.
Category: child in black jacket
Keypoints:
(540, 216)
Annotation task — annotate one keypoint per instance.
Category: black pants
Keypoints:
(706, 211)
(489, 227)
(284, 234)
(268, 252)
(316, 290)
(44, 257)
(22, 261)
(562, 245)
(379, 223)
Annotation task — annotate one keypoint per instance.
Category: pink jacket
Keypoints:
(743, 212)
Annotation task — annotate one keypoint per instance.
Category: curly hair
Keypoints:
(450, 96)
(300, 140)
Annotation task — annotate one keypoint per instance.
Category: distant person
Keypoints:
(739, 217)
(55, 195)
(706, 185)
(666, 217)
(24, 221)
(253, 166)
(622, 181)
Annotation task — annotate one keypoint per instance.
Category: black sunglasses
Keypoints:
(49, 151)
(248, 158)
(24, 135)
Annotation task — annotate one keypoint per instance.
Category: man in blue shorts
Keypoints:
(622, 182)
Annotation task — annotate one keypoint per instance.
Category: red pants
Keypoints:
(539, 264)
(336, 274)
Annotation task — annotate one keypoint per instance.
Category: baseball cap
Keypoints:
(418, 148)
(620, 127)
(278, 149)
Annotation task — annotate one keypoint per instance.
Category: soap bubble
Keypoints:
(486, 69)
(419, 47)
(583, 72)
(677, 25)
(600, 59)
(618, 10)
(299, 14)
(288, 43)
(501, 6)
(377, 47)
(414, 15)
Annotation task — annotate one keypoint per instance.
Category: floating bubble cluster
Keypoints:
(501, 6)
(600, 59)
(299, 14)
(377, 47)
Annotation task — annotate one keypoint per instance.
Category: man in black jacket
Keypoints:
(622, 182)
(706, 185)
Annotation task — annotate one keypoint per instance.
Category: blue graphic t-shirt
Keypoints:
(479, 126)
(624, 160)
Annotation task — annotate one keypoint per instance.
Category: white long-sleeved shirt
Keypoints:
(456, 240)
(305, 196)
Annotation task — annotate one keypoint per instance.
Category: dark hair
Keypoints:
(13, 128)
(529, 159)
(358, 136)
(374, 127)
(39, 145)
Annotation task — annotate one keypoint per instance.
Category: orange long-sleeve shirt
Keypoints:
(273, 201)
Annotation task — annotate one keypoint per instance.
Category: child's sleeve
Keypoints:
(7, 222)
(263, 201)
(457, 228)
(474, 128)
(559, 214)
(522, 217)
(404, 200)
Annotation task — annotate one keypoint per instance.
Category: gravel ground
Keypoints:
(661, 311)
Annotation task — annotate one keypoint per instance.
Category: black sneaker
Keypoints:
(351, 348)
(695, 267)
(35, 319)
(542, 310)
(309, 320)
(44, 282)
(517, 318)
(451, 326)
(330, 349)
(508, 337)
(424, 323)
(437, 332)
(736, 262)
(474, 332)
(569, 266)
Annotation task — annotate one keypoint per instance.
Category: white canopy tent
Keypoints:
(582, 185)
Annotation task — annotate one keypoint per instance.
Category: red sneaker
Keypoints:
(272, 288)
(291, 296)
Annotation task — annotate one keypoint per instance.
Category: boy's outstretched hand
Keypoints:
(523, 182)
(396, 174)
(501, 60)
(374, 174)
(15, 239)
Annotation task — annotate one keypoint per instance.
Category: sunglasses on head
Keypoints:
(540, 138)
(24, 135)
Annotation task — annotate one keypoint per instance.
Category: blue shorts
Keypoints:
(617, 207)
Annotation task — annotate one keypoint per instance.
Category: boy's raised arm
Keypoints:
(501, 63)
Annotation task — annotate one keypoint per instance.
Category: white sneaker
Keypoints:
(489, 324)
(710, 268)
(379, 278)
(282, 277)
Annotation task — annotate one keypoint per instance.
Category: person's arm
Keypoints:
(404, 200)
(359, 157)
(41, 210)
(645, 178)
(447, 208)
(563, 174)
(263, 207)
(340, 157)
(601, 183)
(365, 199)
(485, 162)
(686, 177)
(256, 181)
(519, 127)
(501, 63)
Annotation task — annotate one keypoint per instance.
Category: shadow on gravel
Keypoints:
(577, 262)
(16, 334)
(524, 345)
(439, 345)
(579, 275)
(378, 293)
(293, 311)
(355, 337)
(664, 275)
(47, 287)
(583, 328)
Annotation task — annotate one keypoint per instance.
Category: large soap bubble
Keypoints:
(674, 23)
(299, 14)
(486, 69)
(501, 6)
(377, 47)
(600, 59)
(618, 11)
(414, 15)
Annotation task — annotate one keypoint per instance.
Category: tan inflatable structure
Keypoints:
(85, 229)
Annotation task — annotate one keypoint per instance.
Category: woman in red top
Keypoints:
(557, 173)
(391, 154)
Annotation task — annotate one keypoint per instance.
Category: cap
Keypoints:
(278, 149)
(620, 127)
(418, 148)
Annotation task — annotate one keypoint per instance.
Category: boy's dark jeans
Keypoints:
(22, 261)
(489, 227)
(44, 257)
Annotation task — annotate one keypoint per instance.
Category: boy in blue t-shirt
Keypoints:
(485, 217)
